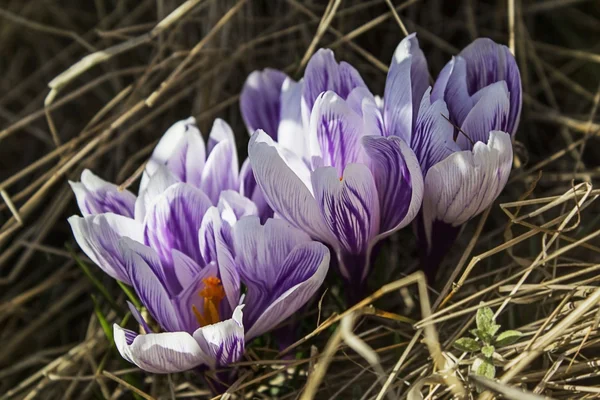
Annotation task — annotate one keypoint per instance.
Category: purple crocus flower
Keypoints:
(344, 183)
(461, 132)
(202, 321)
(180, 156)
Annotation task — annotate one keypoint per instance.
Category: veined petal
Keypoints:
(489, 62)
(98, 236)
(350, 206)
(284, 180)
(490, 113)
(221, 171)
(260, 100)
(223, 342)
(298, 279)
(154, 187)
(432, 139)
(335, 132)
(149, 287)
(97, 196)
(174, 220)
(466, 183)
(323, 73)
(233, 206)
(406, 82)
(451, 86)
(398, 179)
(159, 353)
(249, 188)
(291, 133)
(186, 269)
(182, 150)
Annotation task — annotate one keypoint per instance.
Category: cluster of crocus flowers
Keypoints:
(188, 244)
(219, 256)
(350, 168)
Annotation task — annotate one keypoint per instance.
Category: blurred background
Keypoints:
(147, 68)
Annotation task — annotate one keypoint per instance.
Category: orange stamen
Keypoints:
(212, 293)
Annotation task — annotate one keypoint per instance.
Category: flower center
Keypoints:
(212, 294)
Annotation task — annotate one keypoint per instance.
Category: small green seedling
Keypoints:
(485, 342)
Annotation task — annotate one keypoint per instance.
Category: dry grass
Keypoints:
(94, 84)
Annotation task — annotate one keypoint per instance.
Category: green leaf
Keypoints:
(467, 344)
(108, 332)
(507, 338)
(481, 335)
(485, 319)
(488, 351)
(493, 329)
(483, 368)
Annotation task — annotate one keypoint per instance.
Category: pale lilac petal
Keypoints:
(350, 207)
(260, 101)
(216, 245)
(406, 82)
(98, 237)
(165, 273)
(234, 206)
(190, 297)
(223, 342)
(489, 62)
(335, 132)
(291, 133)
(490, 113)
(149, 287)
(97, 196)
(398, 179)
(284, 180)
(154, 187)
(262, 249)
(159, 353)
(186, 269)
(181, 149)
(250, 189)
(467, 182)
(298, 279)
(174, 220)
(433, 136)
(221, 171)
(323, 73)
(451, 87)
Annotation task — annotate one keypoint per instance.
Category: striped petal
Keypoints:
(97, 196)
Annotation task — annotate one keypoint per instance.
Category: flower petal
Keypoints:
(323, 73)
(451, 86)
(432, 139)
(182, 150)
(154, 187)
(335, 132)
(98, 236)
(174, 220)
(490, 113)
(284, 180)
(298, 279)
(466, 183)
(291, 134)
(97, 196)
(406, 82)
(141, 267)
(185, 268)
(221, 171)
(350, 207)
(159, 353)
(223, 342)
(489, 62)
(398, 179)
(260, 100)
(250, 189)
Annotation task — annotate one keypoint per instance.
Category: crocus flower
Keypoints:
(344, 183)
(180, 156)
(197, 306)
(461, 132)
